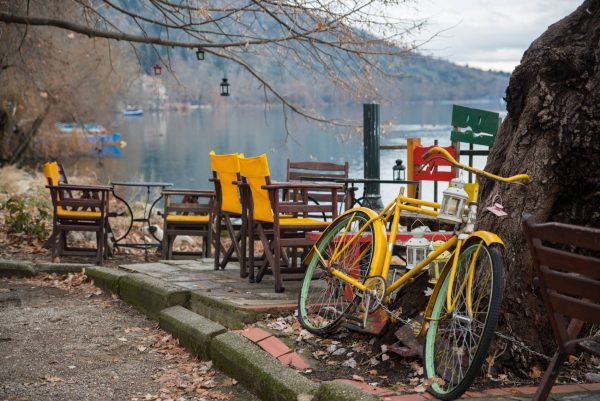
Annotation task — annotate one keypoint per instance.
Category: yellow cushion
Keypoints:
(302, 221)
(179, 218)
(77, 213)
(227, 168)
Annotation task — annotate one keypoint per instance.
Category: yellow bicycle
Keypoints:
(349, 264)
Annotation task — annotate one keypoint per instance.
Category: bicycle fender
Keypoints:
(487, 237)
(378, 227)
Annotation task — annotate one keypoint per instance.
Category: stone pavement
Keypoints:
(226, 285)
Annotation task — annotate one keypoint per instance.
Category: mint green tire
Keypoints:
(457, 343)
(325, 299)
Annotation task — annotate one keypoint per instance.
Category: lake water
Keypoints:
(173, 147)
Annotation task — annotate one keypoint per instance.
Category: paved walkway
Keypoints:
(225, 285)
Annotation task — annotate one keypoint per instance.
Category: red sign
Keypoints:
(437, 170)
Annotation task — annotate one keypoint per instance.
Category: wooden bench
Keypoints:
(567, 265)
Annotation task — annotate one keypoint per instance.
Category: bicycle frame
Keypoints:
(393, 210)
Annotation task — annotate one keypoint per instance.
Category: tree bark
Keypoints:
(552, 133)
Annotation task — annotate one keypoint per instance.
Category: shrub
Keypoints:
(27, 215)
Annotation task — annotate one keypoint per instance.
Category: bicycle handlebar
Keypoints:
(448, 156)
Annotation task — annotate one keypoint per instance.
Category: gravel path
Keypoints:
(63, 339)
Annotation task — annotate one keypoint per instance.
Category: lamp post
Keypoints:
(157, 69)
(199, 54)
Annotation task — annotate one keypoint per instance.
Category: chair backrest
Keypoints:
(305, 171)
(566, 259)
(226, 170)
(318, 172)
(55, 175)
(255, 172)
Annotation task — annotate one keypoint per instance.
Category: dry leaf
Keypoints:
(420, 389)
(373, 372)
(122, 339)
(358, 378)
(535, 372)
(141, 348)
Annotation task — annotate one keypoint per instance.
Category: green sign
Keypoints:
(474, 126)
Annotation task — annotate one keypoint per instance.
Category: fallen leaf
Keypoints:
(141, 348)
(385, 357)
(535, 372)
(358, 378)
(420, 389)
(71, 366)
(122, 339)
(373, 372)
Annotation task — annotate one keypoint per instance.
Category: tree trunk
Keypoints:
(552, 133)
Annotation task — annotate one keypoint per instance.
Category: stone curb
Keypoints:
(342, 391)
(105, 277)
(150, 295)
(193, 331)
(258, 371)
(28, 269)
(222, 312)
(10, 268)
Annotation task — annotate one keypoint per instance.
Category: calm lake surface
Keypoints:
(173, 147)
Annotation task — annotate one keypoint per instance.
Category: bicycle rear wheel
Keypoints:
(457, 343)
(325, 298)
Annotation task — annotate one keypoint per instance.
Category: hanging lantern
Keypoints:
(453, 202)
(416, 249)
(224, 87)
(436, 266)
(399, 171)
(200, 54)
(157, 69)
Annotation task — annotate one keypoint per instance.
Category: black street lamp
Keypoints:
(200, 54)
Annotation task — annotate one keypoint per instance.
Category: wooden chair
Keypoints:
(77, 208)
(320, 172)
(566, 262)
(229, 211)
(187, 212)
(280, 224)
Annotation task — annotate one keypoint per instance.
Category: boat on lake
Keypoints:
(96, 135)
(133, 111)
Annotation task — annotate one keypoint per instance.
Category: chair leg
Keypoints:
(549, 377)
(208, 240)
(276, 267)
(165, 246)
(243, 250)
(170, 242)
(218, 240)
(251, 275)
(100, 246)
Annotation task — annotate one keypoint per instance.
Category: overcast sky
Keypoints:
(486, 33)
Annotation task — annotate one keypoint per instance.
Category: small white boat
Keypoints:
(131, 111)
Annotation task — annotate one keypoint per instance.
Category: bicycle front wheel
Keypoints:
(457, 341)
(325, 298)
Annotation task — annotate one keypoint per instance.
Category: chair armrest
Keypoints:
(76, 187)
(191, 192)
(301, 185)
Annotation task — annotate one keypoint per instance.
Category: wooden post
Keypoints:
(411, 144)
